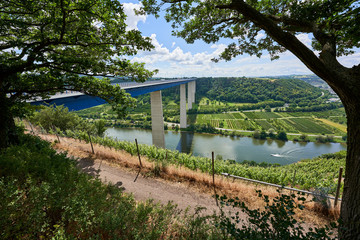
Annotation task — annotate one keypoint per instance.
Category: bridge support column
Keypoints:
(191, 94)
(194, 90)
(183, 106)
(157, 120)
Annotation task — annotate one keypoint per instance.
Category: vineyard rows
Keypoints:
(310, 174)
(264, 124)
(307, 125)
(262, 115)
(289, 122)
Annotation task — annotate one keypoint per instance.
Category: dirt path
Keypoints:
(145, 188)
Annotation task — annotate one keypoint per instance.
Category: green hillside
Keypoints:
(253, 90)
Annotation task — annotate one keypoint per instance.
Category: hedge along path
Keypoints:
(193, 185)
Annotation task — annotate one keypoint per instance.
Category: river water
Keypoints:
(239, 149)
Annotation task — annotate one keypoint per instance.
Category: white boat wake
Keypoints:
(277, 155)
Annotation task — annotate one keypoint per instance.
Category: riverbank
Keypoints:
(206, 128)
(227, 147)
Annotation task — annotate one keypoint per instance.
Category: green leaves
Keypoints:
(276, 221)
(53, 46)
(245, 23)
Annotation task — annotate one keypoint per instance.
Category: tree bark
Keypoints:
(350, 206)
(8, 133)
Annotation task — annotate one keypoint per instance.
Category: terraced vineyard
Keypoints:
(214, 122)
(290, 122)
(281, 124)
(262, 115)
(238, 115)
(264, 124)
(307, 125)
(224, 116)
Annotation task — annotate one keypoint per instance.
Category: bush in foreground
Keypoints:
(276, 221)
(43, 195)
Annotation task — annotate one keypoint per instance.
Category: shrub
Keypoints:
(276, 221)
(43, 196)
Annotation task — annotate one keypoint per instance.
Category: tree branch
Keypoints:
(303, 26)
(63, 21)
(284, 38)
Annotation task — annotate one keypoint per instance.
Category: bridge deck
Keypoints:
(77, 101)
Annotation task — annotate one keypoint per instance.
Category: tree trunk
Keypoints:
(8, 133)
(350, 207)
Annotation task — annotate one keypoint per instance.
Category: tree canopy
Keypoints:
(264, 25)
(274, 26)
(50, 46)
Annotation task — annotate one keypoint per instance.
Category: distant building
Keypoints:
(335, 99)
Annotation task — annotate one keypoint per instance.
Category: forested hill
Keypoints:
(253, 90)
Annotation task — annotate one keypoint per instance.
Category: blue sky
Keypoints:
(173, 57)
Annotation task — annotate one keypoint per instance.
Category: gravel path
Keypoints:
(145, 188)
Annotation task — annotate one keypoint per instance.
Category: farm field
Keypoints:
(290, 122)
(262, 115)
(334, 124)
(307, 125)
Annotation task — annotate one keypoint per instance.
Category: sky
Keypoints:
(173, 57)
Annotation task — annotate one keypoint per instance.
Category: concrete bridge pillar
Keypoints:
(183, 106)
(157, 119)
(191, 94)
(194, 90)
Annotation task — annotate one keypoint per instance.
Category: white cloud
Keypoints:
(260, 36)
(305, 39)
(173, 44)
(132, 19)
(351, 60)
(177, 63)
(178, 56)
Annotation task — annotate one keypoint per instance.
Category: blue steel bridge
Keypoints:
(76, 101)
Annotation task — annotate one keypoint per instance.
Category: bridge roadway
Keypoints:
(75, 101)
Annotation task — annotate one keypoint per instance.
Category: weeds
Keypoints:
(276, 221)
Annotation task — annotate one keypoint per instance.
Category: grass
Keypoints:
(206, 102)
(44, 196)
(339, 126)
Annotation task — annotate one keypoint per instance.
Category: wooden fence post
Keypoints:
(213, 169)
(213, 176)
(338, 187)
(92, 148)
(137, 147)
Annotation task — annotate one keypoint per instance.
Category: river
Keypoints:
(239, 149)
